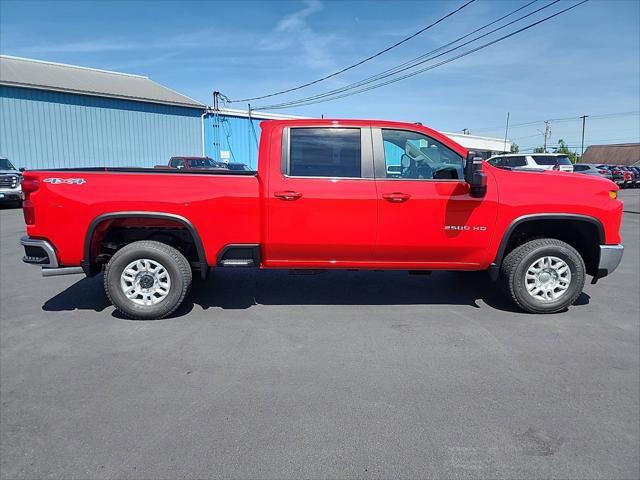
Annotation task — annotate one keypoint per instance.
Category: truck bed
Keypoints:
(69, 201)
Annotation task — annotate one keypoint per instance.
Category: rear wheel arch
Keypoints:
(582, 232)
(89, 264)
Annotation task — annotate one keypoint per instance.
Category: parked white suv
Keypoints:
(537, 161)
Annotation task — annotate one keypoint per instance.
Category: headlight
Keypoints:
(613, 194)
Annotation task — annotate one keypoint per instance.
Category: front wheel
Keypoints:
(544, 275)
(147, 280)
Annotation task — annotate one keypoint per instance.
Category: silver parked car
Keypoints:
(591, 169)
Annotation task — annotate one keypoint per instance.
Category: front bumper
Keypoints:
(610, 258)
(11, 195)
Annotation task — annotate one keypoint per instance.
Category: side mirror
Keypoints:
(474, 175)
(21, 169)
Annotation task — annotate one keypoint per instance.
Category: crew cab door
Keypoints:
(321, 198)
(426, 216)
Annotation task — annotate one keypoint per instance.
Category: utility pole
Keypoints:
(506, 131)
(584, 118)
(216, 96)
(547, 133)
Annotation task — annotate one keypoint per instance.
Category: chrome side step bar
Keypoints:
(52, 272)
(237, 262)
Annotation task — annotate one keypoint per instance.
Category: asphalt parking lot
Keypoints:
(344, 374)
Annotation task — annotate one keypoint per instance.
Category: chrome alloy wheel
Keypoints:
(548, 278)
(145, 282)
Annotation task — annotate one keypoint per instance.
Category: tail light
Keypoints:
(29, 185)
(602, 172)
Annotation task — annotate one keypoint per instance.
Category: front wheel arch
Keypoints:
(582, 232)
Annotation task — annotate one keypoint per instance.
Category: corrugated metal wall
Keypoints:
(232, 137)
(42, 129)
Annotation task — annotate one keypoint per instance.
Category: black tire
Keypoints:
(517, 262)
(174, 263)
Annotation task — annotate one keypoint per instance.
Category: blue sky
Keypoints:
(586, 61)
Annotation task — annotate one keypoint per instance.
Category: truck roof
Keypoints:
(337, 122)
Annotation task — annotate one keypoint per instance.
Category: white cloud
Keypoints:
(294, 33)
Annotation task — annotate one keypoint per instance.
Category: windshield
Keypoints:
(6, 164)
(552, 159)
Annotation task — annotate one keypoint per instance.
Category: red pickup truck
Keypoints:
(328, 194)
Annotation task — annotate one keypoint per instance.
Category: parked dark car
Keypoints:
(636, 176)
(616, 173)
(591, 169)
(631, 177)
(238, 167)
(196, 162)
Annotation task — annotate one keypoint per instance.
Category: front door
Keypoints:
(426, 216)
(322, 200)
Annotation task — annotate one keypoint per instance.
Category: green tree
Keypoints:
(563, 148)
(538, 150)
(515, 148)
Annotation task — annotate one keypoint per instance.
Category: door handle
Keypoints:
(396, 197)
(287, 195)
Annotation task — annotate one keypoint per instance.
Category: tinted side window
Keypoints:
(580, 168)
(324, 152)
(412, 155)
(516, 161)
(551, 160)
(497, 162)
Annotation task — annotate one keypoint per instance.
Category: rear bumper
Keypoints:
(40, 252)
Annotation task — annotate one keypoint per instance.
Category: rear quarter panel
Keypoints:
(223, 209)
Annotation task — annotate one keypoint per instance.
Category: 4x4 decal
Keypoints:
(68, 181)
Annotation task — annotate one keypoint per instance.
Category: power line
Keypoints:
(420, 59)
(431, 67)
(577, 145)
(371, 57)
(561, 120)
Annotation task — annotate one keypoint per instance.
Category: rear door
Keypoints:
(322, 200)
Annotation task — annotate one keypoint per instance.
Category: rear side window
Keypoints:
(516, 162)
(324, 152)
(552, 160)
(581, 168)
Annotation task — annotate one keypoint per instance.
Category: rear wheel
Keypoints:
(544, 275)
(147, 280)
